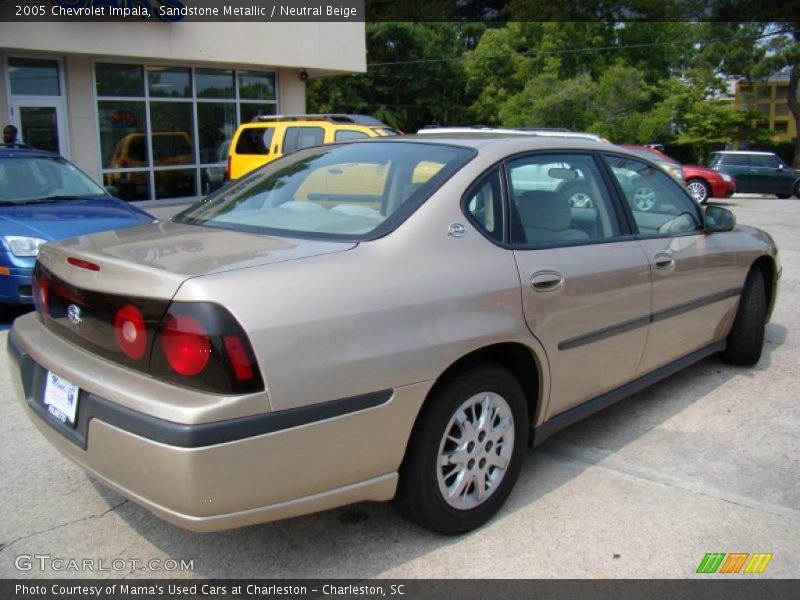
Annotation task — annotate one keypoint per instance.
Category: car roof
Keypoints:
(15, 151)
(522, 131)
(502, 142)
(744, 152)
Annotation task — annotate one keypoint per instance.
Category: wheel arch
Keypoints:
(520, 360)
(769, 270)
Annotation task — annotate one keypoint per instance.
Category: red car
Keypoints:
(701, 182)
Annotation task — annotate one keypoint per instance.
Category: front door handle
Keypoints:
(546, 281)
(664, 262)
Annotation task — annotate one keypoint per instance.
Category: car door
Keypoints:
(585, 281)
(738, 166)
(255, 146)
(770, 175)
(695, 278)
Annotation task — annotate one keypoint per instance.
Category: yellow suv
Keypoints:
(269, 137)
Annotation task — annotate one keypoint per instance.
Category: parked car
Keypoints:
(267, 138)
(286, 346)
(757, 172)
(701, 182)
(44, 197)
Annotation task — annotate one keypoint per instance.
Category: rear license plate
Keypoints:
(61, 398)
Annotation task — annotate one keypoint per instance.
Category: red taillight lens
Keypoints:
(130, 331)
(186, 344)
(238, 357)
(41, 295)
(228, 169)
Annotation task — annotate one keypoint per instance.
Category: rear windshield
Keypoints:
(353, 191)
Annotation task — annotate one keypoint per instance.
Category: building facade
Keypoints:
(149, 108)
(769, 97)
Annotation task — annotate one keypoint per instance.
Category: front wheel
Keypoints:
(746, 339)
(465, 451)
(699, 189)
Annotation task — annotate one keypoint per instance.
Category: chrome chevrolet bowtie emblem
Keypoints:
(74, 314)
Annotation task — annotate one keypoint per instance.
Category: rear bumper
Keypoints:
(289, 471)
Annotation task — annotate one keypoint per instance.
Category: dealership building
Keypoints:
(150, 107)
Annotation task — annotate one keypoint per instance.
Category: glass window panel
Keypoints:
(172, 132)
(39, 127)
(302, 137)
(169, 82)
(559, 199)
(345, 134)
(781, 109)
(659, 204)
(256, 85)
(175, 183)
(119, 80)
(34, 77)
(123, 142)
(249, 111)
(214, 83)
(129, 185)
(216, 123)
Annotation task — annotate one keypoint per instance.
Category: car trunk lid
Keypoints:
(152, 261)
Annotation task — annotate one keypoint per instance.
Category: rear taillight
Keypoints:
(228, 168)
(41, 294)
(186, 345)
(130, 331)
(201, 345)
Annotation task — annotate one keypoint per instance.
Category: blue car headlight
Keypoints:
(23, 246)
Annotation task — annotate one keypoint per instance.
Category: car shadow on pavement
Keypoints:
(332, 544)
(8, 314)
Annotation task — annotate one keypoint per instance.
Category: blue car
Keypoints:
(44, 197)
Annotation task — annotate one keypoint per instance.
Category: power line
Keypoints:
(569, 50)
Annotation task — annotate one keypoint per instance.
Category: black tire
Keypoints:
(701, 192)
(783, 196)
(746, 339)
(419, 497)
(797, 190)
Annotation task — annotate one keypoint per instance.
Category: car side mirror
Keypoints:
(718, 219)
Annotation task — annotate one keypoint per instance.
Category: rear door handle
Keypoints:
(664, 262)
(546, 281)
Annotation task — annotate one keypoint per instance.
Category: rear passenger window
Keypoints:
(302, 137)
(485, 206)
(255, 140)
(559, 199)
(345, 134)
(658, 203)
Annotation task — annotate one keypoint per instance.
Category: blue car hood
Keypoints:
(68, 218)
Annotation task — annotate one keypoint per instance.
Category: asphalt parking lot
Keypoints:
(707, 461)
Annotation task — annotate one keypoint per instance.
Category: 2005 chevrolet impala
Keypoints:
(386, 319)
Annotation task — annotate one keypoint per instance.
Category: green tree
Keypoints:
(755, 51)
(415, 76)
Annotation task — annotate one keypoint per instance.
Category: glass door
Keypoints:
(36, 103)
(40, 123)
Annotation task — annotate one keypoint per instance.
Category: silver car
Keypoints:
(376, 320)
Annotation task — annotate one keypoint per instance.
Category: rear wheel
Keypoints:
(797, 190)
(699, 189)
(746, 339)
(465, 451)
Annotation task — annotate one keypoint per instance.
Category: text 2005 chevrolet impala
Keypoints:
(386, 319)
